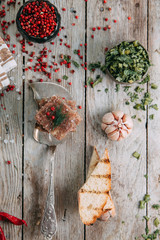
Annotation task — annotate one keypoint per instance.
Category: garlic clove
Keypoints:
(127, 120)
(103, 126)
(124, 133)
(108, 118)
(118, 114)
(110, 128)
(114, 135)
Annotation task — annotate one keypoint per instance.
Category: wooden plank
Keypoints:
(69, 159)
(11, 139)
(127, 173)
(153, 125)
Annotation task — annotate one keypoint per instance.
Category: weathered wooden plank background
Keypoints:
(23, 188)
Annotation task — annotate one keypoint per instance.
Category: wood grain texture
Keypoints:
(154, 125)
(127, 173)
(11, 140)
(69, 157)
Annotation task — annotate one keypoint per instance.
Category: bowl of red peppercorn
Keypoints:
(38, 21)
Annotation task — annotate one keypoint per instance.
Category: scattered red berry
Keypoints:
(76, 17)
(80, 107)
(70, 83)
(109, 27)
(129, 18)
(53, 117)
(52, 108)
(48, 113)
(99, 28)
(8, 162)
(93, 29)
(115, 21)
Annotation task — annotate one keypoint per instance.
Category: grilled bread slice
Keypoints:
(94, 193)
(109, 208)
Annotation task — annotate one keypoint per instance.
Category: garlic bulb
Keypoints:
(117, 125)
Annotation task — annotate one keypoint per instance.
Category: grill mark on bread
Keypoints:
(96, 192)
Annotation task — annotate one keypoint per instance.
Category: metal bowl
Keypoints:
(38, 39)
(126, 83)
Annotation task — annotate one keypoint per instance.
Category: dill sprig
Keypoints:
(59, 117)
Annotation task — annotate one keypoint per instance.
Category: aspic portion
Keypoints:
(58, 116)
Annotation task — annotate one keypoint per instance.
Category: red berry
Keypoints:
(80, 107)
(53, 117)
(59, 80)
(2, 94)
(92, 36)
(52, 108)
(41, 80)
(106, 19)
(63, 9)
(70, 83)
(93, 29)
(99, 28)
(129, 18)
(109, 27)
(105, 28)
(47, 113)
(8, 162)
(105, 1)
(106, 49)
(115, 21)
(109, 9)
(76, 17)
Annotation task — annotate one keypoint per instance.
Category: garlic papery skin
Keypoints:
(117, 125)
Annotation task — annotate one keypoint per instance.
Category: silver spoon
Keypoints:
(47, 90)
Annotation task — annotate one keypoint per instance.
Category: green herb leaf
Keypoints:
(65, 77)
(126, 88)
(98, 80)
(146, 176)
(136, 155)
(139, 119)
(156, 222)
(141, 204)
(145, 80)
(147, 198)
(93, 66)
(134, 116)
(151, 117)
(59, 117)
(89, 81)
(75, 51)
(154, 86)
(156, 206)
(76, 64)
(154, 106)
(117, 87)
(67, 58)
(146, 218)
(127, 102)
(106, 90)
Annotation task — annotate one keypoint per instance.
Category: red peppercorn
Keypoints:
(14, 45)
(63, 9)
(92, 36)
(80, 107)
(105, 1)
(109, 27)
(93, 29)
(13, 52)
(85, 68)
(99, 28)
(106, 19)
(81, 44)
(2, 94)
(53, 117)
(41, 80)
(48, 113)
(52, 108)
(70, 83)
(105, 28)
(8, 162)
(129, 18)
(76, 17)
(59, 80)
(115, 20)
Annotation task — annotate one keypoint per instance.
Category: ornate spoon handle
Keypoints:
(49, 222)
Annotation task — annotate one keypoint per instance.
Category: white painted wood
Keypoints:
(127, 172)
(11, 175)
(154, 125)
(69, 157)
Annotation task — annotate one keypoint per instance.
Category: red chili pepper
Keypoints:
(16, 221)
(2, 237)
